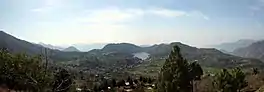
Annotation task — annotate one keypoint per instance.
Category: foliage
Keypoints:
(230, 81)
(113, 83)
(195, 71)
(176, 74)
(62, 81)
(23, 72)
(239, 81)
(130, 80)
(255, 71)
(121, 83)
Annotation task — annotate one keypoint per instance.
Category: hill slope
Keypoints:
(71, 49)
(205, 56)
(122, 48)
(230, 47)
(256, 50)
(50, 46)
(16, 45)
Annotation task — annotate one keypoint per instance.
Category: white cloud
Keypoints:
(110, 24)
(113, 15)
(74, 32)
(47, 5)
(42, 9)
(117, 15)
(167, 12)
(198, 14)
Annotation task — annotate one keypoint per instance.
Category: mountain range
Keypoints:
(231, 46)
(255, 50)
(71, 49)
(88, 47)
(123, 53)
(51, 46)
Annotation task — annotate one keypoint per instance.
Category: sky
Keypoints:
(194, 22)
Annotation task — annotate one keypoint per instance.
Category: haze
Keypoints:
(194, 22)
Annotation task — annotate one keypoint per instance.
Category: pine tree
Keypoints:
(223, 81)
(174, 75)
(230, 81)
(255, 71)
(195, 72)
(239, 81)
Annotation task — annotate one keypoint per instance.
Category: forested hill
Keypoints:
(16, 45)
(205, 56)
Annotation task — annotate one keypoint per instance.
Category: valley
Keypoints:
(126, 60)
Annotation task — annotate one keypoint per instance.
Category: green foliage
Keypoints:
(223, 81)
(232, 81)
(255, 71)
(23, 72)
(62, 81)
(176, 74)
(239, 81)
(195, 71)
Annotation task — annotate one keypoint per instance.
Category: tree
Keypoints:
(223, 81)
(130, 81)
(145, 80)
(105, 84)
(63, 81)
(140, 78)
(195, 73)
(239, 81)
(255, 71)
(113, 83)
(150, 80)
(230, 81)
(121, 83)
(174, 75)
(23, 72)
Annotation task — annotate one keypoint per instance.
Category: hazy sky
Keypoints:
(194, 22)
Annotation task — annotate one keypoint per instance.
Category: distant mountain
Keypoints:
(230, 47)
(15, 45)
(51, 46)
(255, 50)
(144, 45)
(71, 49)
(88, 47)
